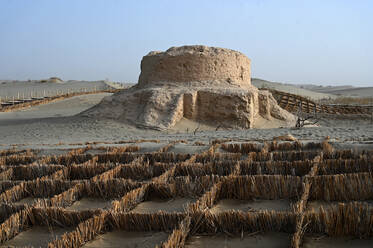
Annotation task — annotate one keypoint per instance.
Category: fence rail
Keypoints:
(36, 98)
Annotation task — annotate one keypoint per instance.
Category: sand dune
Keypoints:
(290, 88)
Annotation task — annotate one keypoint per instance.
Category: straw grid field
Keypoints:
(292, 194)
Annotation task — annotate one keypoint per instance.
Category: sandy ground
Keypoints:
(318, 241)
(188, 148)
(124, 239)
(66, 107)
(55, 123)
(233, 204)
(37, 236)
(27, 200)
(273, 240)
(87, 203)
(24, 88)
(155, 205)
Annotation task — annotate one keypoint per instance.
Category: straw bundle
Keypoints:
(243, 148)
(295, 168)
(237, 222)
(261, 186)
(344, 187)
(85, 231)
(351, 219)
(211, 168)
(343, 166)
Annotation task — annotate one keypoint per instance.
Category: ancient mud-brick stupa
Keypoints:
(207, 84)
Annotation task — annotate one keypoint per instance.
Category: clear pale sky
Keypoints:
(315, 41)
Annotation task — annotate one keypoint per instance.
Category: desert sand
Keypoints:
(274, 240)
(36, 236)
(118, 238)
(168, 205)
(256, 205)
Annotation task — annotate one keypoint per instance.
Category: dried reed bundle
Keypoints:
(17, 159)
(193, 186)
(68, 159)
(160, 221)
(87, 171)
(347, 154)
(223, 168)
(109, 189)
(37, 189)
(130, 200)
(236, 222)
(344, 187)
(295, 168)
(31, 172)
(68, 197)
(6, 173)
(85, 231)
(343, 166)
(283, 155)
(261, 186)
(143, 171)
(168, 157)
(5, 185)
(343, 219)
(116, 157)
(179, 235)
(15, 224)
(243, 148)
(7, 210)
(210, 157)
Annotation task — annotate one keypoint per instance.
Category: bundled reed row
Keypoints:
(107, 189)
(15, 224)
(29, 172)
(67, 159)
(85, 171)
(283, 156)
(260, 186)
(295, 168)
(168, 157)
(243, 148)
(211, 157)
(7, 210)
(343, 187)
(115, 171)
(179, 235)
(5, 173)
(343, 219)
(144, 171)
(291, 146)
(5, 185)
(35, 189)
(130, 200)
(301, 205)
(348, 154)
(222, 168)
(50, 217)
(343, 166)
(112, 157)
(114, 149)
(14, 151)
(16, 159)
(237, 222)
(106, 222)
(84, 232)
